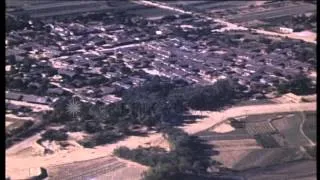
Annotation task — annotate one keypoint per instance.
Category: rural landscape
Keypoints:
(160, 90)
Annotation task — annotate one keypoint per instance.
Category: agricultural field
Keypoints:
(310, 126)
(305, 169)
(274, 13)
(259, 128)
(263, 117)
(222, 145)
(220, 5)
(124, 173)
(262, 140)
(185, 3)
(230, 158)
(233, 135)
(267, 140)
(244, 159)
(289, 127)
(85, 169)
(268, 157)
(150, 12)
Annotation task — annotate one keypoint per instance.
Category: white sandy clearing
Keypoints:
(306, 34)
(132, 171)
(8, 123)
(77, 136)
(14, 118)
(313, 74)
(223, 128)
(259, 3)
(288, 98)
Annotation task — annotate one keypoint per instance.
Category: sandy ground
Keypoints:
(231, 157)
(13, 117)
(313, 75)
(14, 150)
(310, 98)
(16, 165)
(36, 107)
(77, 136)
(8, 123)
(288, 98)
(132, 171)
(223, 128)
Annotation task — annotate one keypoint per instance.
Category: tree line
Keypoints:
(157, 102)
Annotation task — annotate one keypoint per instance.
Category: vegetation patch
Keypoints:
(54, 135)
(188, 156)
(266, 140)
(151, 105)
(301, 85)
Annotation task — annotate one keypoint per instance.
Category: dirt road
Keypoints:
(214, 118)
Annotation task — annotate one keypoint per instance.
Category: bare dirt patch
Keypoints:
(107, 167)
(222, 145)
(231, 157)
(77, 136)
(8, 123)
(223, 128)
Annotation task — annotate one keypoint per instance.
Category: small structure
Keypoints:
(67, 73)
(107, 90)
(36, 99)
(55, 91)
(285, 30)
(13, 96)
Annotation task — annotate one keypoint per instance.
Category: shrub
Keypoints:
(300, 85)
(54, 135)
(107, 137)
(92, 127)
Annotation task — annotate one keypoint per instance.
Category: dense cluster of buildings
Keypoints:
(96, 59)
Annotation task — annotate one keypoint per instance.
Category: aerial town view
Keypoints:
(160, 90)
